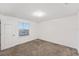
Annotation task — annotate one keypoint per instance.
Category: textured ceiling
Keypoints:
(25, 10)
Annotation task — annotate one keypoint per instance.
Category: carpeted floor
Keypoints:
(39, 48)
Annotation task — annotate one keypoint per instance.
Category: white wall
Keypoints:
(78, 32)
(61, 31)
(6, 42)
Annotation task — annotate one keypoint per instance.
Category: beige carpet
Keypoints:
(39, 48)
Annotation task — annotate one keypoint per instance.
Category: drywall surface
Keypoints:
(77, 32)
(61, 31)
(9, 33)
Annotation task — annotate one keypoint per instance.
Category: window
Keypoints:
(24, 29)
